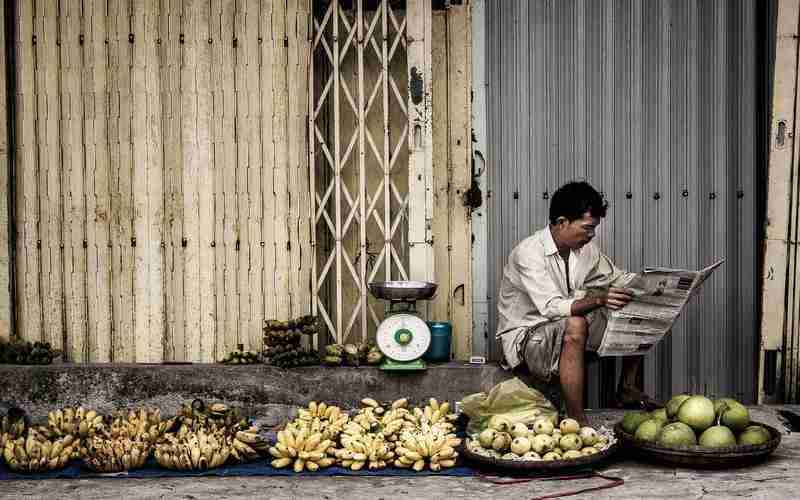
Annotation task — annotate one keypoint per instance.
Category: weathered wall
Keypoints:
(5, 193)
(452, 173)
(654, 103)
(161, 183)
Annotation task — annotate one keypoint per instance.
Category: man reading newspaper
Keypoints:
(556, 288)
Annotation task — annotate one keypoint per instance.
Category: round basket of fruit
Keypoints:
(694, 431)
(545, 444)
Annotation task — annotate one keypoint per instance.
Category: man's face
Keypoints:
(577, 233)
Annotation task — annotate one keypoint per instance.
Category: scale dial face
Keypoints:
(403, 337)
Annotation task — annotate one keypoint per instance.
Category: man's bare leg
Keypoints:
(630, 393)
(571, 368)
(629, 378)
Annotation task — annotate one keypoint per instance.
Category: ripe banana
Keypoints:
(34, 452)
(196, 450)
(301, 450)
(116, 455)
(68, 421)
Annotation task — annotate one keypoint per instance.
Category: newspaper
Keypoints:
(659, 296)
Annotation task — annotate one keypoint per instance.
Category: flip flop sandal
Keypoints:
(644, 402)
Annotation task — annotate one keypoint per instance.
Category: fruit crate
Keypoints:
(699, 457)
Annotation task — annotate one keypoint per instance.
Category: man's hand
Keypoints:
(617, 298)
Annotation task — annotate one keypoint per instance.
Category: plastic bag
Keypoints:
(512, 399)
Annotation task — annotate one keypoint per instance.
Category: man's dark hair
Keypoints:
(574, 199)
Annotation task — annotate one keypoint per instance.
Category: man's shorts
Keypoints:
(541, 345)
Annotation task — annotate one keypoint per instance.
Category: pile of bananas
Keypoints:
(302, 450)
(326, 419)
(387, 421)
(295, 358)
(210, 418)
(436, 416)
(248, 445)
(282, 342)
(241, 357)
(371, 449)
(436, 449)
(116, 455)
(18, 352)
(77, 422)
(244, 443)
(352, 354)
(190, 450)
(12, 426)
(142, 424)
(35, 452)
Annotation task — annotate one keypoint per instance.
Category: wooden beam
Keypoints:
(459, 78)
(420, 174)
(782, 193)
(5, 194)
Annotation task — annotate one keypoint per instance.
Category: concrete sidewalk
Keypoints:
(777, 478)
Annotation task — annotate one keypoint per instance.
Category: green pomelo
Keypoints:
(719, 403)
(754, 435)
(697, 412)
(660, 414)
(675, 403)
(649, 430)
(632, 420)
(717, 436)
(677, 434)
(735, 416)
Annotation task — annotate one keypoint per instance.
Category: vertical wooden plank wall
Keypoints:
(452, 173)
(161, 182)
(5, 274)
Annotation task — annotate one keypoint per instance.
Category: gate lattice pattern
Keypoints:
(358, 127)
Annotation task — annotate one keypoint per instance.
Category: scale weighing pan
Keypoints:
(403, 290)
(403, 337)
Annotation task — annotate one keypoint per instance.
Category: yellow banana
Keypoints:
(370, 402)
(280, 463)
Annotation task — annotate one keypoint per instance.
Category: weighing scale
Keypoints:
(403, 337)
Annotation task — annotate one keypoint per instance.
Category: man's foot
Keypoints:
(633, 399)
(581, 418)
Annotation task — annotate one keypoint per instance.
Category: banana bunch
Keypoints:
(12, 426)
(247, 445)
(434, 448)
(374, 418)
(141, 424)
(321, 417)
(116, 455)
(35, 452)
(217, 416)
(434, 415)
(194, 450)
(302, 450)
(371, 449)
(76, 422)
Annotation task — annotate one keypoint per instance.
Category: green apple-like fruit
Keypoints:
(717, 436)
(675, 403)
(677, 434)
(649, 430)
(697, 412)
